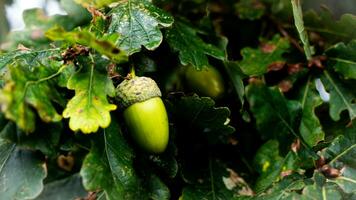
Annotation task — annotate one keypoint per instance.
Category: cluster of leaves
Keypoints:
(285, 129)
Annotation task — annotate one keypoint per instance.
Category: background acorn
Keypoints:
(205, 82)
(145, 114)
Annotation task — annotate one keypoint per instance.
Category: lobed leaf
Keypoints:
(216, 182)
(138, 23)
(69, 188)
(270, 164)
(310, 127)
(46, 138)
(192, 49)
(341, 97)
(339, 156)
(329, 28)
(342, 59)
(201, 115)
(29, 84)
(255, 62)
(21, 172)
(276, 117)
(89, 109)
(104, 45)
(287, 188)
(109, 167)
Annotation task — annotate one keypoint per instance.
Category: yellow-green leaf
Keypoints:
(104, 45)
(89, 109)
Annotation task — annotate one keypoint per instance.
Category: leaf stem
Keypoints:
(29, 83)
(299, 24)
(212, 178)
(343, 153)
(91, 80)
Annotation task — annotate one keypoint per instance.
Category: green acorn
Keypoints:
(206, 82)
(145, 114)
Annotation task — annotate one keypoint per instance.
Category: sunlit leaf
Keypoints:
(138, 22)
(105, 45)
(89, 109)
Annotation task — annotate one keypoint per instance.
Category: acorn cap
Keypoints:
(137, 89)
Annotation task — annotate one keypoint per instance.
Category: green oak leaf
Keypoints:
(166, 162)
(347, 182)
(29, 84)
(192, 49)
(45, 139)
(342, 59)
(310, 127)
(67, 188)
(333, 30)
(342, 150)
(236, 76)
(89, 109)
(255, 62)
(275, 115)
(341, 97)
(138, 23)
(104, 45)
(287, 188)
(340, 155)
(321, 189)
(270, 164)
(22, 172)
(109, 167)
(199, 114)
(217, 181)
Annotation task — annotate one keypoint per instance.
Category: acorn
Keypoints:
(205, 82)
(144, 113)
